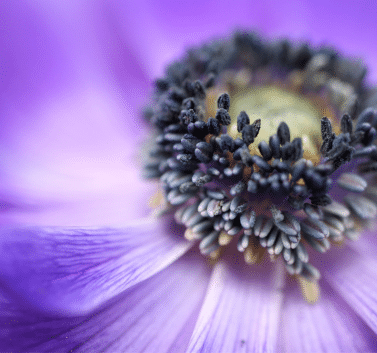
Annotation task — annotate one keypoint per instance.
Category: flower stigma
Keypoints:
(266, 148)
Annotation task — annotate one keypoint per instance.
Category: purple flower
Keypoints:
(73, 78)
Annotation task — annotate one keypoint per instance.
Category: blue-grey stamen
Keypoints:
(274, 143)
(263, 226)
(277, 215)
(369, 151)
(271, 238)
(228, 224)
(346, 124)
(243, 242)
(248, 219)
(336, 228)
(262, 164)
(320, 245)
(352, 182)
(315, 228)
(361, 206)
(201, 180)
(352, 234)
(208, 240)
(204, 204)
(248, 134)
(288, 256)
(265, 150)
(201, 227)
(302, 254)
(190, 216)
(178, 180)
(239, 188)
(283, 133)
(242, 121)
(195, 219)
(313, 211)
(285, 240)
(218, 195)
(224, 101)
(234, 230)
(226, 206)
(214, 208)
(188, 187)
(277, 248)
(223, 116)
(286, 228)
(337, 209)
(176, 198)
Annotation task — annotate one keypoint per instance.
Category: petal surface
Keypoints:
(51, 51)
(156, 315)
(328, 325)
(328, 27)
(353, 277)
(241, 310)
(71, 93)
(115, 203)
(73, 270)
(172, 26)
(367, 243)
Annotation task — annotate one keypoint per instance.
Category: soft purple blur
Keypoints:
(75, 75)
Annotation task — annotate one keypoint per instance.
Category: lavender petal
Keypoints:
(157, 315)
(240, 312)
(73, 270)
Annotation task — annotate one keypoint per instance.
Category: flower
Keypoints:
(135, 287)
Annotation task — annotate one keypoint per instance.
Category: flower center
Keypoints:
(274, 103)
(273, 106)
(249, 137)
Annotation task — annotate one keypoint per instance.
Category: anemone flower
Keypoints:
(84, 267)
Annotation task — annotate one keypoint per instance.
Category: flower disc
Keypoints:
(267, 143)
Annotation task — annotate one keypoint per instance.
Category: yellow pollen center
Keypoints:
(274, 105)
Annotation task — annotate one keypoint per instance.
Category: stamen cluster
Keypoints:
(274, 200)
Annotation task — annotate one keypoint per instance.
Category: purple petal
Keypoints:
(173, 25)
(70, 96)
(117, 197)
(354, 278)
(51, 52)
(170, 26)
(240, 312)
(154, 316)
(73, 270)
(367, 244)
(270, 17)
(330, 27)
(329, 325)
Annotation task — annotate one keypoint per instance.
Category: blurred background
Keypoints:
(74, 76)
